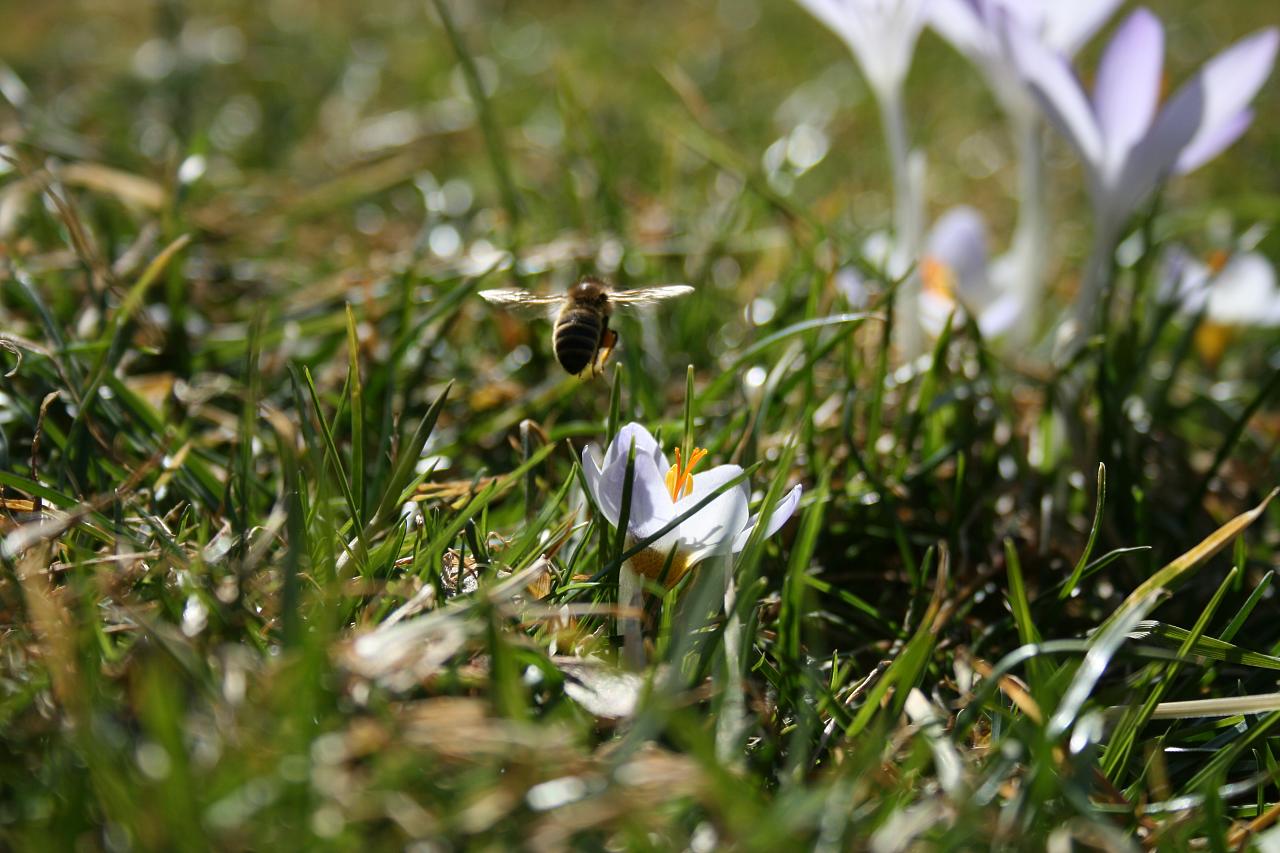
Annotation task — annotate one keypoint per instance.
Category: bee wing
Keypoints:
(522, 300)
(643, 297)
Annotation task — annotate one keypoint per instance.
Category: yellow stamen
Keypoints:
(1217, 259)
(679, 476)
(938, 278)
(1211, 340)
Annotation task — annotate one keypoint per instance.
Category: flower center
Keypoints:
(651, 563)
(1217, 259)
(1211, 340)
(938, 278)
(679, 477)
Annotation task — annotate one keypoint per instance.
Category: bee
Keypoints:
(582, 338)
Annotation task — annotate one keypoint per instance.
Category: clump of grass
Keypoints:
(295, 544)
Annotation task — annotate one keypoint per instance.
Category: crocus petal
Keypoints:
(646, 445)
(1128, 83)
(1207, 145)
(960, 22)
(1244, 293)
(999, 316)
(782, 511)
(1228, 82)
(649, 497)
(852, 286)
(1068, 24)
(935, 312)
(878, 251)
(718, 522)
(1056, 88)
(1152, 159)
(900, 24)
(1183, 279)
(849, 23)
(840, 18)
(591, 471)
(958, 239)
(881, 34)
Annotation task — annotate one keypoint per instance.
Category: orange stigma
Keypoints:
(938, 278)
(680, 475)
(1217, 259)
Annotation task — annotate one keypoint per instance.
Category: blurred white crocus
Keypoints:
(1129, 143)
(956, 273)
(974, 28)
(882, 36)
(1230, 290)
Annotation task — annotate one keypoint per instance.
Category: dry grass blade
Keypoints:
(1210, 545)
(52, 624)
(129, 188)
(1259, 703)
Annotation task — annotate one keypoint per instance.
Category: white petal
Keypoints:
(1068, 24)
(720, 521)
(782, 511)
(958, 22)
(1000, 315)
(877, 250)
(1055, 86)
(852, 286)
(958, 239)
(935, 311)
(1227, 83)
(1152, 160)
(591, 472)
(650, 501)
(1183, 279)
(1207, 145)
(846, 20)
(592, 457)
(646, 445)
(1244, 293)
(1127, 87)
(881, 35)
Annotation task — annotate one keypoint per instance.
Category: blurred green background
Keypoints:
(322, 153)
(300, 93)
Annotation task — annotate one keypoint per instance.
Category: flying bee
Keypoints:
(582, 338)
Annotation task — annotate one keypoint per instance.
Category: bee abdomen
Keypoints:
(577, 338)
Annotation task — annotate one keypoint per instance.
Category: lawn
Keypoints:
(304, 544)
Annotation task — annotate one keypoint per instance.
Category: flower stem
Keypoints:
(1029, 247)
(1097, 271)
(733, 710)
(630, 598)
(907, 215)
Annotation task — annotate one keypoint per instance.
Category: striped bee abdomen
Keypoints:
(577, 338)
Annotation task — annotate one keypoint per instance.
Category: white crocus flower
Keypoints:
(955, 271)
(882, 36)
(1233, 291)
(661, 493)
(1128, 138)
(975, 28)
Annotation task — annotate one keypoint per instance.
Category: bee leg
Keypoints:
(608, 340)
